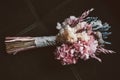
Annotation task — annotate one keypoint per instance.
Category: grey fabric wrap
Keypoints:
(45, 41)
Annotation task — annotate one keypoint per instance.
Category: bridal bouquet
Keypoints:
(78, 38)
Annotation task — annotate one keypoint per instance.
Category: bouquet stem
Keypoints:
(17, 44)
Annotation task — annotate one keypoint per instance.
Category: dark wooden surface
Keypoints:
(38, 18)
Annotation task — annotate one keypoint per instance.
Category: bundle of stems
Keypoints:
(17, 44)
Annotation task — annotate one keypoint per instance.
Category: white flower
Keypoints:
(83, 36)
(58, 26)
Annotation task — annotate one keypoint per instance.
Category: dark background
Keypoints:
(39, 18)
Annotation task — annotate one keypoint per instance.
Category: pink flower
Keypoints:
(70, 53)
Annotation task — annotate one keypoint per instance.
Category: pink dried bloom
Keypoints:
(103, 50)
(66, 54)
(72, 21)
(70, 53)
